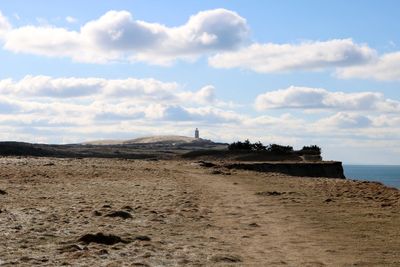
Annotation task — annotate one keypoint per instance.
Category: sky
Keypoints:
(287, 72)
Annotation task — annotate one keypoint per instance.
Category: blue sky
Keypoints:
(298, 73)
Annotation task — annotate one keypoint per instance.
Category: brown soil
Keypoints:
(176, 213)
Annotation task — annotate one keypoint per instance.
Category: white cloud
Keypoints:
(117, 36)
(386, 68)
(100, 100)
(206, 95)
(5, 26)
(318, 98)
(343, 120)
(71, 19)
(267, 58)
(139, 91)
(46, 86)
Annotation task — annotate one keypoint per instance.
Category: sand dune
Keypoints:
(152, 139)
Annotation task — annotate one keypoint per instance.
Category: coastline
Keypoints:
(386, 174)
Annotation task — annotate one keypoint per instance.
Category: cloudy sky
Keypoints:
(288, 72)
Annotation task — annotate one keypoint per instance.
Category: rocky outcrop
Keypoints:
(330, 169)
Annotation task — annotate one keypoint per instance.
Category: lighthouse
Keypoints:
(196, 134)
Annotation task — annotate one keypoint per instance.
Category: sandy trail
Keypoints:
(187, 215)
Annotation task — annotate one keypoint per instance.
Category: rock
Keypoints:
(206, 164)
(140, 264)
(216, 172)
(103, 252)
(142, 238)
(106, 206)
(71, 248)
(122, 214)
(226, 258)
(328, 200)
(101, 238)
(128, 208)
(2, 192)
(97, 213)
(254, 225)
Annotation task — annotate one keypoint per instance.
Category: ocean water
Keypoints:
(386, 174)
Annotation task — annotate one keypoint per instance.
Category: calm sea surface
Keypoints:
(386, 174)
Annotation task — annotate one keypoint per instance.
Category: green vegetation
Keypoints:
(313, 149)
(272, 148)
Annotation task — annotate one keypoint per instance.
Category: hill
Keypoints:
(157, 139)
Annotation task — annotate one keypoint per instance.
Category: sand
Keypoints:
(54, 212)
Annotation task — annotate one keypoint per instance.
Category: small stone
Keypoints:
(226, 258)
(97, 213)
(142, 238)
(103, 252)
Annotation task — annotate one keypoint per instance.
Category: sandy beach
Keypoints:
(112, 212)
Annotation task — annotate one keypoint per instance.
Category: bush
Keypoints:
(273, 148)
(315, 150)
(246, 145)
(258, 146)
(278, 149)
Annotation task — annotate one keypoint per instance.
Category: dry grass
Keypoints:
(56, 212)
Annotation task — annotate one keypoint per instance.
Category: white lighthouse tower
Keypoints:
(196, 134)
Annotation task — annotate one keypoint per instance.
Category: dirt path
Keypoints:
(278, 220)
(261, 232)
(108, 212)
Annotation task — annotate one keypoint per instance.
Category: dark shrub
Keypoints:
(246, 145)
(314, 150)
(278, 149)
(258, 146)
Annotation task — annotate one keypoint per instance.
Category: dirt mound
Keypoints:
(101, 238)
(120, 213)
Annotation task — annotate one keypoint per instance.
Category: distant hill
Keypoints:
(158, 139)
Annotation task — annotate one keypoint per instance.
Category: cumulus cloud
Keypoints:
(318, 98)
(118, 36)
(75, 100)
(5, 26)
(71, 19)
(46, 86)
(130, 89)
(385, 68)
(343, 120)
(206, 95)
(267, 58)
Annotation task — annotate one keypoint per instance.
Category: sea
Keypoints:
(386, 174)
